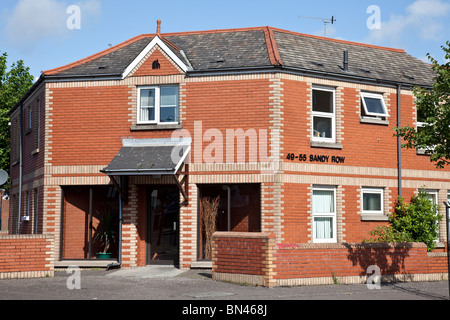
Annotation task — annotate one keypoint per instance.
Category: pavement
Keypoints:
(179, 291)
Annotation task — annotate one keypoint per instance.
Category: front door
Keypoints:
(162, 227)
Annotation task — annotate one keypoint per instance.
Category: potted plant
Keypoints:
(106, 233)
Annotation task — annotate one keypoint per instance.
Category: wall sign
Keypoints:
(315, 158)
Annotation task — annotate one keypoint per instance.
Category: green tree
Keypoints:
(433, 110)
(14, 83)
(414, 222)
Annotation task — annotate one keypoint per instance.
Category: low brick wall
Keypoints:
(26, 256)
(255, 258)
(243, 257)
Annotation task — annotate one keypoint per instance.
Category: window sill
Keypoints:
(328, 145)
(143, 127)
(374, 217)
(368, 120)
(423, 152)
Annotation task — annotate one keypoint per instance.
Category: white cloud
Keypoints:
(425, 18)
(33, 21)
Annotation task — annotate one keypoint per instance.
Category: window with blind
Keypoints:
(157, 104)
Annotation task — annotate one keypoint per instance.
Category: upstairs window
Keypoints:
(373, 105)
(158, 104)
(323, 115)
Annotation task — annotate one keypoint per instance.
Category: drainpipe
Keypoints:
(118, 264)
(399, 143)
(447, 218)
(20, 165)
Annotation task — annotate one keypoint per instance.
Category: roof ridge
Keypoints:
(170, 34)
(339, 40)
(272, 47)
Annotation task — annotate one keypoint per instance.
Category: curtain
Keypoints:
(323, 227)
(323, 203)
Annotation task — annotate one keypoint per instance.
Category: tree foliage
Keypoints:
(433, 110)
(414, 222)
(14, 83)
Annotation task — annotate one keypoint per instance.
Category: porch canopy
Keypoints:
(153, 157)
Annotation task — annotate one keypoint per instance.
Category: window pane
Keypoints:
(371, 201)
(323, 201)
(147, 97)
(323, 101)
(169, 96)
(323, 227)
(374, 105)
(323, 127)
(147, 114)
(168, 114)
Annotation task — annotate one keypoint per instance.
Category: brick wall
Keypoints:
(255, 258)
(26, 256)
(246, 257)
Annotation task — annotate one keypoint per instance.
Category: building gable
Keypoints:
(156, 59)
(155, 63)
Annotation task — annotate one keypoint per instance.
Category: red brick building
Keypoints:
(293, 133)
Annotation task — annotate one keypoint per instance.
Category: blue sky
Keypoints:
(36, 30)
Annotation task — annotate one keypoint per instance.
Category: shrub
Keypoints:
(414, 222)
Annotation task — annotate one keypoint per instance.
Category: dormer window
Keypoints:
(158, 104)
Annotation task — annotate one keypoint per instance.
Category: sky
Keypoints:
(46, 34)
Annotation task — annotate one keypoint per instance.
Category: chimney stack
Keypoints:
(158, 27)
(345, 60)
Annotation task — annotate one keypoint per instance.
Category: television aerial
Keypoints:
(324, 20)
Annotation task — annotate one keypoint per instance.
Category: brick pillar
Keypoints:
(129, 229)
(269, 248)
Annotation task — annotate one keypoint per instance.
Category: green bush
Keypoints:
(414, 222)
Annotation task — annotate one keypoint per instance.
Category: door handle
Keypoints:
(174, 226)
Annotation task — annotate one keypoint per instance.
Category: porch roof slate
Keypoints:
(148, 157)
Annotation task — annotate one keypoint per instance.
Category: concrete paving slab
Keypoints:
(154, 271)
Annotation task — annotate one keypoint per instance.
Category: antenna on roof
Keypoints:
(324, 20)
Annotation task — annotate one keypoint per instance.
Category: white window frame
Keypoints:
(332, 215)
(330, 115)
(434, 195)
(374, 96)
(379, 191)
(420, 124)
(157, 105)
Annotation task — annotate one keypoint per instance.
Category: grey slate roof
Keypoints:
(142, 159)
(224, 50)
(248, 49)
(148, 156)
(364, 61)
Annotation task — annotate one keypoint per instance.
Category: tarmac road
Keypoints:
(185, 289)
(168, 283)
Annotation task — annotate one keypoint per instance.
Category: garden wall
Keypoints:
(255, 258)
(26, 256)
